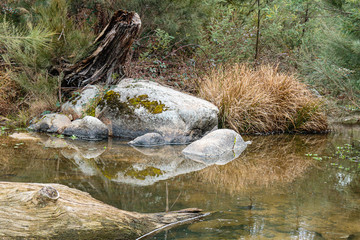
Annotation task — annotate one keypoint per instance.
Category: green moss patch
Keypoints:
(112, 100)
(153, 107)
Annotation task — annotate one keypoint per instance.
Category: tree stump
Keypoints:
(106, 63)
(54, 211)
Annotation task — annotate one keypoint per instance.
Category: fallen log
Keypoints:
(54, 211)
(105, 65)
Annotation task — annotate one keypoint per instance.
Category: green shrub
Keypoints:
(41, 39)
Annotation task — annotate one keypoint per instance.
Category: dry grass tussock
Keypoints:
(262, 100)
(267, 162)
(9, 91)
(16, 102)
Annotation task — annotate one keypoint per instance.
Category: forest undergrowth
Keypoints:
(264, 64)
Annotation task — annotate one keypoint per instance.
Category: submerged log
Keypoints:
(54, 211)
(106, 63)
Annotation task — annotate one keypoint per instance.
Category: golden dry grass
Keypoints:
(9, 91)
(19, 105)
(262, 100)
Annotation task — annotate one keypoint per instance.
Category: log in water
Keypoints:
(31, 210)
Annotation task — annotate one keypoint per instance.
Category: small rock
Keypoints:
(23, 136)
(217, 147)
(148, 140)
(51, 123)
(89, 128)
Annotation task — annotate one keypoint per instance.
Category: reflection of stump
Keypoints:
(32, 211)
(106, 63)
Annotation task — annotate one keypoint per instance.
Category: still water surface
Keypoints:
(280, 187)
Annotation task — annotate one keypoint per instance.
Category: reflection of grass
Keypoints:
(271, 159)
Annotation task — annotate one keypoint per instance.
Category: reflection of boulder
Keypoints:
(161, 163)
(119, 162)
(82, 153)
(85, 156)
(54, 142)
(86, 165)
(150, 173)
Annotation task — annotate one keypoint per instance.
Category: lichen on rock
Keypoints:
(153, 107)
(112, 100)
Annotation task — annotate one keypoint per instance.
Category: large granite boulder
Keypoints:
(136, 107)
(89, 128)
(218, 147)
(52, 123)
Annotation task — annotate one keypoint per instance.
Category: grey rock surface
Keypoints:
(136, 107)
(218, 147)
(148, 140)
(79, 104)
(52, 123)
(89, 128)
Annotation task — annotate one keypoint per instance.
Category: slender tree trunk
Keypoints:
(105, 64)
(306, 18)
(257, 32)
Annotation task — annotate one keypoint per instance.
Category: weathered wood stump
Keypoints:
(106, 63)
(54, 211)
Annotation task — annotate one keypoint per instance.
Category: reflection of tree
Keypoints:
(268, 160)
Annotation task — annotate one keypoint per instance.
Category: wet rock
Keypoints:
(136, 107)
(89, 128)
(52, 123)
(218, 147)
(24, 136)
(148, 140)
(79, 105)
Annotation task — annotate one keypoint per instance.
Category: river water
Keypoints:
(280, 187)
